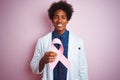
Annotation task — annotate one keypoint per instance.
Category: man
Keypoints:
(60, 13)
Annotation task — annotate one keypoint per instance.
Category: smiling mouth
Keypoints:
(59, 25)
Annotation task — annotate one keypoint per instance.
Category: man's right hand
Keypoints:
(47, 58)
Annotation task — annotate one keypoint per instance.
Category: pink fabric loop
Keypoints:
(60, 56)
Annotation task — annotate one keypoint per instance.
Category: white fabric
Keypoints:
(76, 56)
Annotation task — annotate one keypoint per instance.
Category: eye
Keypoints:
(55, 17)
(64, 17)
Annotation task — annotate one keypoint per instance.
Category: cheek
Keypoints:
(54, 21)
(65, 22)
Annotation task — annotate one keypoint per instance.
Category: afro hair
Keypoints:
(63, 5)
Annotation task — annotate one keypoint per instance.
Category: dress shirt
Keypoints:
(60, 71)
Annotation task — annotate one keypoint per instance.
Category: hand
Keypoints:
(49, 57)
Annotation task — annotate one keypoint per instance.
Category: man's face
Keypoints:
(60, 21)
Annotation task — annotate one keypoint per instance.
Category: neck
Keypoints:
(60, 32)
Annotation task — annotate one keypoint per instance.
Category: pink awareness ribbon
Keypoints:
(60, 56)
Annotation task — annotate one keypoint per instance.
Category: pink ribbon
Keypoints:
(60, 56)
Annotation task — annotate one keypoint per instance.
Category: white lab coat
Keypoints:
(76, 56)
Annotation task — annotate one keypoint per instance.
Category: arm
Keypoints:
(38, 54)
(41, 58)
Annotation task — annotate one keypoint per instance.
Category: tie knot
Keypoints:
(61, 38)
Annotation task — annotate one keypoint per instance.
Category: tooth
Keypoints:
(59, 24)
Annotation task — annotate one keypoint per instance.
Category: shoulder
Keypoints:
(45, 38)
(75, 37)
(48, 35)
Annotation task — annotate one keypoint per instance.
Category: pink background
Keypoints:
(22, 22)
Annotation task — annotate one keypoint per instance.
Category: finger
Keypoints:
(51, 60)
(52, 54)
(52, 57)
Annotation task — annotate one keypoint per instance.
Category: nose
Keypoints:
(59, 20)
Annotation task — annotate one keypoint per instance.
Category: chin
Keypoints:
(59, 29)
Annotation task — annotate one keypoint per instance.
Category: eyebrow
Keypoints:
(60, 15)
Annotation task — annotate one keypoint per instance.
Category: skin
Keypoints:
(60, 21)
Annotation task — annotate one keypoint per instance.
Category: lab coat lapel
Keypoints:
(70, 43)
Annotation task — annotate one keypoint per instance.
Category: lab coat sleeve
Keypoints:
(38, 54)
(83, 71)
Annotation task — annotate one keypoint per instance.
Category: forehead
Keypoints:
(59, 12)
